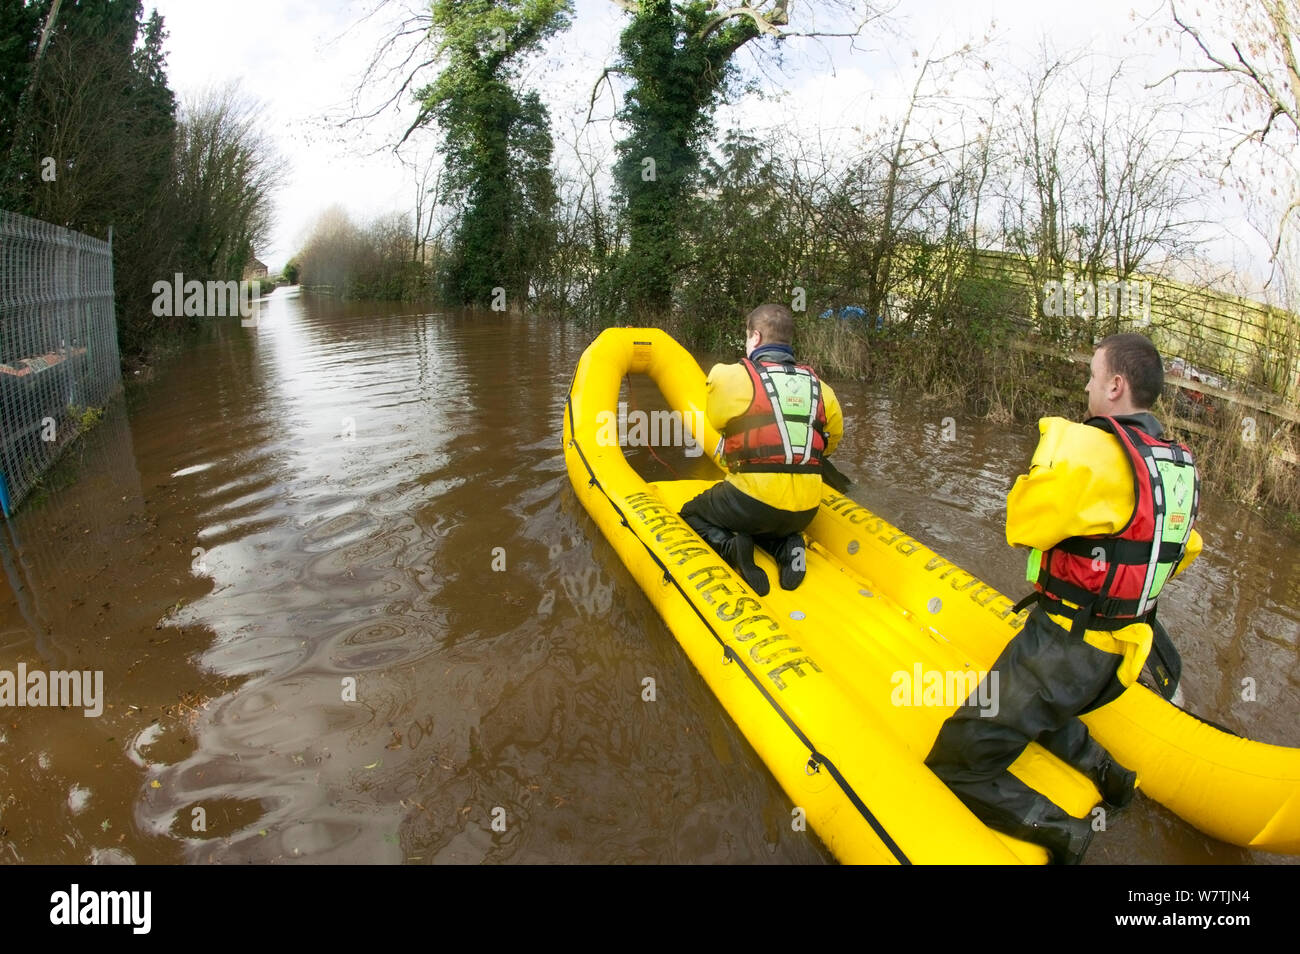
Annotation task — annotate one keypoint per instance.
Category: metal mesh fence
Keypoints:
(58, 344)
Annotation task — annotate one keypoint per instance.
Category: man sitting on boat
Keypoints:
(1108, 508)
(778, 421)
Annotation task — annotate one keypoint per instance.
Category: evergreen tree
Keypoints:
(678, 57)
(20, 30)
(497, 143)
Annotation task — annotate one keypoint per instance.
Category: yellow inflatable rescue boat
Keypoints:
(842, 684)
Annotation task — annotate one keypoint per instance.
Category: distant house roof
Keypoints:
(255, 263)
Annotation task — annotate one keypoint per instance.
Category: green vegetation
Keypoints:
(373, 261)
(945, 235)
(678, 60)
(84, 418)
(91, 137)
(497, 143)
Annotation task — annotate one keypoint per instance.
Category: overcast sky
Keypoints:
(304, 61)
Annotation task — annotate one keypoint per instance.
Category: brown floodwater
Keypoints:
(366, 502)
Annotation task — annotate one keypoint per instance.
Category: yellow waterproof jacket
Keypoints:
(1080, 483)
(730, 392)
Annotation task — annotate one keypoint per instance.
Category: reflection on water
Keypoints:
(348, 609)
(75, 535)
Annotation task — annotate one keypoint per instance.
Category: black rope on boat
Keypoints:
(815, 757)
(819, 759)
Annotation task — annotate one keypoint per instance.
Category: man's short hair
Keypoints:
(774, 322)
(1134, 358)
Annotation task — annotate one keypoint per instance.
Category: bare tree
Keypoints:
(1259, 59)
(226, 173)
(331, 251)
(1092, 186)
(427, 173)
(578, 275)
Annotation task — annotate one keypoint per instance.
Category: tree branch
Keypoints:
(765, 25)
(603, 77)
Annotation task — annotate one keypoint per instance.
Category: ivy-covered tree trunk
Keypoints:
(678, 57)
(497, 144)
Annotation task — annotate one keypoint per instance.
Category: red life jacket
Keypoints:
(783, 431)
(1118, 577)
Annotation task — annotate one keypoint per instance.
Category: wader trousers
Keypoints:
(723, 510)
(1046, 678)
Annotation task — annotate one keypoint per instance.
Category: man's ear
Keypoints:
(1118, 386)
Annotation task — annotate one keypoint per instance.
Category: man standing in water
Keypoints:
(778, 421)
(1107, 508)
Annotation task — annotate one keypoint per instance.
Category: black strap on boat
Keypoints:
(814, 757)
(1026, 602)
